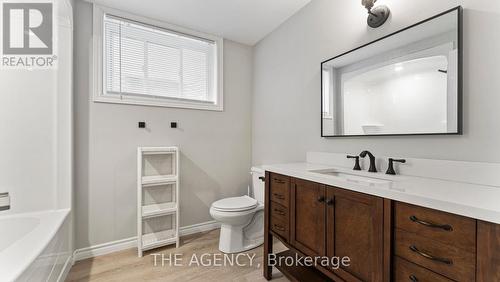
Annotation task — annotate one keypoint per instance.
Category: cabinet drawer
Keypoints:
(280, 189)
(446, 260)
(279, 212)
(407, 271)
(444, 227)
(280, 227)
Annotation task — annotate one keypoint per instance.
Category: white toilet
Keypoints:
(241, 218)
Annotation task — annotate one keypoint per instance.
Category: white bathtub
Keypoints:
(34, 246)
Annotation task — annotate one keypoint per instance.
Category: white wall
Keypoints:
(27, 134)
(35, 128)
(215, 146)
(413, 100)
(286, 101)
(64, 106)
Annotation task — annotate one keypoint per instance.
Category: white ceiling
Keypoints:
(244, 21)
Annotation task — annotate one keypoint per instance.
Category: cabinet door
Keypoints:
(355, 229)
(308, 217)
(488, 252)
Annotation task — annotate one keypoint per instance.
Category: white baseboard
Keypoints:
(124, 244)
(198, 228)
(104, 249)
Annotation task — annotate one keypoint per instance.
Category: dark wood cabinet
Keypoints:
(446, 228)
(384, 240)
(407, 271)
(279, 202)
(355, 230)
(333, 222)
(277, 217)
(308, 217)
(488, 252)
(443, 259)
(280, 189)
(440, 242)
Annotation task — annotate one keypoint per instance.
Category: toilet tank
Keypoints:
(258, 184)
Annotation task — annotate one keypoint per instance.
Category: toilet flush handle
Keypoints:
(262, 178)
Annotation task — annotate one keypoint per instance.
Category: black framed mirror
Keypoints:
(406, 83)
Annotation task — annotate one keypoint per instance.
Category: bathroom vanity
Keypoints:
(438, 220)
(393, 228)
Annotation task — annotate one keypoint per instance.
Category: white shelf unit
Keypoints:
(157, 197)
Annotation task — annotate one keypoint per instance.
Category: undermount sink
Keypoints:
(363, 180)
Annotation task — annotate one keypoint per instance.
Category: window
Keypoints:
(145, 62)
(326, 77)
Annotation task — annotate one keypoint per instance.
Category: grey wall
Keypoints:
(215, 146)
(286, 102)
(283, 73)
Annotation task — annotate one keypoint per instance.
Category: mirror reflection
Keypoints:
(406, 83)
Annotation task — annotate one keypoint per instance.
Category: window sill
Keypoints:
(159, 103)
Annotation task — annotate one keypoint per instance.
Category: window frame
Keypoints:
(98, 73)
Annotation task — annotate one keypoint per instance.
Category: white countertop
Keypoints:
(470, 200)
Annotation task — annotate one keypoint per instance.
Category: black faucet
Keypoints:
(356, 165)
(390, 169)
(372, 168)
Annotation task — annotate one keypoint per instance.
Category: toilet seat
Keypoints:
(235, 204)
(241, 218)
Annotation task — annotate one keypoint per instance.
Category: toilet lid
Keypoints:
(235, 204)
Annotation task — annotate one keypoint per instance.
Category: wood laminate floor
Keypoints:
(126, 266)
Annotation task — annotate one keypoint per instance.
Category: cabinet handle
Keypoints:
(431, 257)
(413, 278)
(278, 196)
(330, 202)
(279, 228)
(445, 227)
(280, 212)
(321, 199)
(279, 181)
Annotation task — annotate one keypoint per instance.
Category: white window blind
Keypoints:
(148, 61)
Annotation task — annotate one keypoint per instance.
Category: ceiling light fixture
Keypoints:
(377, 16)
